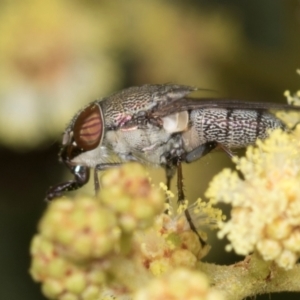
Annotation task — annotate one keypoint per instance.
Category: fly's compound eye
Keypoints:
(88, 128)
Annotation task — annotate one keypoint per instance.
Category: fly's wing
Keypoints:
(185, 104)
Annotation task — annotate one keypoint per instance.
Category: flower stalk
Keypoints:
(250, 277)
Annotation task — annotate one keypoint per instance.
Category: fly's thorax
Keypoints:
(136, 101)
(148, 143)
(145, 144)
(124, 146)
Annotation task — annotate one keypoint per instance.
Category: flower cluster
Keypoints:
(266, 200)
(114, 244)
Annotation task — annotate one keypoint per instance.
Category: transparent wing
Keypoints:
(183, 104)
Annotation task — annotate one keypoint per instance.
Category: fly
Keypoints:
(158, 125)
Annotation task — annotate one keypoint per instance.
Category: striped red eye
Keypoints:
(88, 128)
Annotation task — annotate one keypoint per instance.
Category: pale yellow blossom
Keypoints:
(265, 215)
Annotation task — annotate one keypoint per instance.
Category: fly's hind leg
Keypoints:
(226, 150)
(204, 149)
(171, 168)
(201, 151)
(195, 154)
(181, 198)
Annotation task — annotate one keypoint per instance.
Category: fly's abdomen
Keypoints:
(233, 128)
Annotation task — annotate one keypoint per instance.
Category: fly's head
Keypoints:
(84, 133)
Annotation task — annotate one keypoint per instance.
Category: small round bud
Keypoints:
(81, 228)
(128, 191)
(61, 278)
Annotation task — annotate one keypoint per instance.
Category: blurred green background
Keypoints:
(58, 55)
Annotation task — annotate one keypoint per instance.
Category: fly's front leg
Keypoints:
(102, 167)
(81, 177)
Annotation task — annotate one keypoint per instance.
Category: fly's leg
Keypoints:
(195, 154)
(170, 172)
(200, 151)
(193, 227)
(226, 150)
(181, 197)
(190, 157)
(176, 164)
(81, 177)
(206, 148)
(291, 129)
(102, 167)
(96, 181)
(180, 182)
